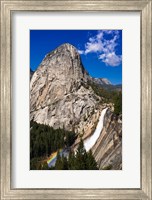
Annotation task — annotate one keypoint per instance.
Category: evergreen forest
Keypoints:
(45, 140)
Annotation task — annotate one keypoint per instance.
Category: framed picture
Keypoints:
(76, 99)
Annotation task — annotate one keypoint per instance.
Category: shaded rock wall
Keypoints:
(108, 148)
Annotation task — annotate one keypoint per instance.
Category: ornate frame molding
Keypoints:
(145, 9)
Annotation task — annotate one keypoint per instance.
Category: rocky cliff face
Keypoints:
(102, 81)
(108, 148)
(59, 94)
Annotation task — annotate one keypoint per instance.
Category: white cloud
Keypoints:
(111, 59)
(80, 51)
(104, 47)
(95, 46)
(100, 35)
(102, 56)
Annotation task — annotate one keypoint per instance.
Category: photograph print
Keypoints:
(75, 99)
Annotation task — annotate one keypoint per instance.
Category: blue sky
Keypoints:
(100, 50)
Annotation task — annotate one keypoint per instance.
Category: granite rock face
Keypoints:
(59, 94)
(102, 81)
(108, 148)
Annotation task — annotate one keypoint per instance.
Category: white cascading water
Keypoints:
(89, 142)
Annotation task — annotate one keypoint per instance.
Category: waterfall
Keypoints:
(90, 141)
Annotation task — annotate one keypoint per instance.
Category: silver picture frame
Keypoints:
(142, 6)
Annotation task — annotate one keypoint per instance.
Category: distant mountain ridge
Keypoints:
(102, 81)
(106, 84)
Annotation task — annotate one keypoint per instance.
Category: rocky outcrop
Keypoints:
(102, 81)
(59, 94)
(108, 148)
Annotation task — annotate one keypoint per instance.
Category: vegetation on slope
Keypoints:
(81, 160)
(45, 140)
(109, 96)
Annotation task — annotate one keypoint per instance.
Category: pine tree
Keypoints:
(91, 163)
(81, 157)
(45, 166)
(118, 104)
(71, 161)
(65, 163)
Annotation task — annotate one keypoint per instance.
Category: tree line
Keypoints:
(45, 140)
(81, 160)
